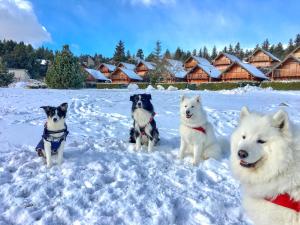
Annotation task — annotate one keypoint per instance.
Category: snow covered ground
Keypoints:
(103, 181)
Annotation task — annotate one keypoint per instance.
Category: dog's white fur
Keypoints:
(277, 171)
(142, 118)
(202, 146)
(54, 126)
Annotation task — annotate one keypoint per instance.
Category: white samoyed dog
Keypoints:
(265, 157)
(197, 134)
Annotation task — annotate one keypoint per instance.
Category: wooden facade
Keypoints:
(120, 77)
(238, 72)
(190, 63)
(289, 69)
(106, 69)
(262, 59)
(296, 52)
(223, 60)
(197, 75)
(143, 67)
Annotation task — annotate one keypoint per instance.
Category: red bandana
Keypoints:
(286, 201)
(201, 129)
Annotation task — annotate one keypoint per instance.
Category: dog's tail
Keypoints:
(131, 136)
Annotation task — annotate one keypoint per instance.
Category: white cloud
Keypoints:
(152, 2)
(19, 22)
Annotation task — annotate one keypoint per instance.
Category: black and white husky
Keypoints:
(144, 131)
(54, 135)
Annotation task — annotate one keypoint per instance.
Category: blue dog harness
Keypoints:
(55, 141)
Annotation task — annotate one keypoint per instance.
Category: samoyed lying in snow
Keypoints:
(265, 157)
(197, 134)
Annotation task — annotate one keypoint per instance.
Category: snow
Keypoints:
(160, 87)
(102, 180)
(131, 74)
(132, 87)
(96, 74)
(172, 88)
(150, 88)
(176, 68)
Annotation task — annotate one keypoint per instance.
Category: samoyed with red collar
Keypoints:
(197, 134)
(265, 157)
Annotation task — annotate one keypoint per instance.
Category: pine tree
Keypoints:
(128, 55)
(167, 54)
(266, 45)
(279, 50)
(5, 77)
(119, 54)
(157, 50)
(205, 53)
(200, 53)
(290, 47)
(140, 53)
(194, 53)
(297, 40)
(65, 71)
(178, 54)
(230, 49)
(225, 49)
(214, 53)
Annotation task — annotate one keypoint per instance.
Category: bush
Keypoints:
(111, 86)
(6, 79)
(65, 71)
(276, 85)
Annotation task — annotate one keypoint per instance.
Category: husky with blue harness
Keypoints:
(54, 135)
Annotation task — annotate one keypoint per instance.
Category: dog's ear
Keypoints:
(149, 96)
(198, 98)
(64, 107)
(182, 97)
(244, 112)
(132, 98)
(46, 109)
(281, 120)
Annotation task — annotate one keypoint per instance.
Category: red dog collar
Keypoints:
(286, 201)
(201, 129)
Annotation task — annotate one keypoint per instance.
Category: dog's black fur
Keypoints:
(143, 101)
(51, 110)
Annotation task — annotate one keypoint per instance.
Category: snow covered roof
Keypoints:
(250, 68)
(283, 61)
(232, 58)
(209, 69)
(131, 74)
(176, 68)
(127, 65)
(96, 74)
(109, 66)
(149, 65)
(266, 52)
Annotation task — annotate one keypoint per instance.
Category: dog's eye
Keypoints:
(259, 141)
(185, 106)
(244, 137)
(192, 106)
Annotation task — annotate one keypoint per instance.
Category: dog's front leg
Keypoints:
(138, 143)
(150, 145)
(60, 153)
(47, 146)
(183, 146)
(197, 149)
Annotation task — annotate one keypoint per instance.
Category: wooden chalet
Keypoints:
(122, 75)
(176, 71)
(126, 66)
(239, 71)
(223, 60)
(288, 69)
(143, 67)
(106, 69)
(94, 76)
(261, 58)
(202, 72)
(296, 52)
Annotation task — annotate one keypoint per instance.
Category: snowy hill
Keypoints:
(102, 180)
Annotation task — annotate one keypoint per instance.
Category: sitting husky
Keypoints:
(144, 129)
(265, 157)
(54, 135)
(197, 134)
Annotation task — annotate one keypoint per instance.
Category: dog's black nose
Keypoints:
(139, 104)
(54, 119)
(243, 154)
(188, 112)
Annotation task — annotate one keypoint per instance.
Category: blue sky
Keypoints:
(92, 26)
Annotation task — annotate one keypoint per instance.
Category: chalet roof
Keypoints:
(96, 74)
(266, 52)
(149, 65)
(296, 49)
(248, 67)
(130, 73)
(209, 69)
(127, 65)
(290, 56)
(109, 66)
(176, 68)
(232, 58)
